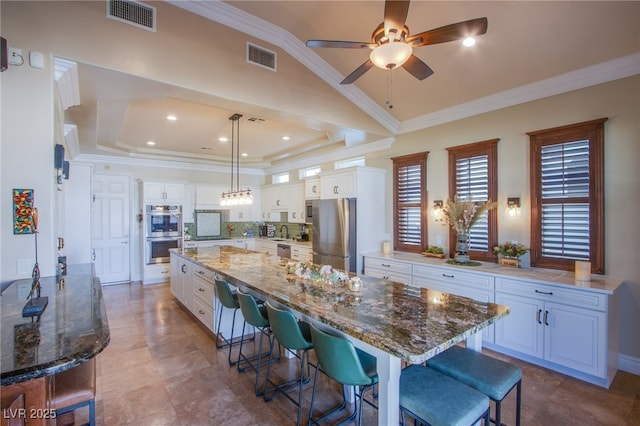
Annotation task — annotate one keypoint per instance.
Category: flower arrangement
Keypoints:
(230, 228)
(462, 214)
(510, 249)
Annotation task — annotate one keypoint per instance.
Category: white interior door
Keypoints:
(110, 228)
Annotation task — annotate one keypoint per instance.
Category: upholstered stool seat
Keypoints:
(75, 388)
(493, 377)
(438, 400)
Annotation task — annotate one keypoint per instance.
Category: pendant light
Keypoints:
(237, 196)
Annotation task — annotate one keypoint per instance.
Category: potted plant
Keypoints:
(509, 253)
(434, 251)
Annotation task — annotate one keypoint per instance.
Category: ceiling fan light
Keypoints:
(469, 41)
(390, 55)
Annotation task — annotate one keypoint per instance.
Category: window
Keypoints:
(310, 171)
(473, 175)
(410, 202)
(358, 161)
(567, 199)
(280, 178)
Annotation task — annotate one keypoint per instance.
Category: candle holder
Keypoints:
(35, 306)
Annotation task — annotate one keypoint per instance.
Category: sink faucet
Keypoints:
(287, 234)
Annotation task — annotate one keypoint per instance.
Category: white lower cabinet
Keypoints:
(301, 254)
(388, 270)
(474, 286)
(268, 247)
(156, 273)
(181, 271)
(570, 334)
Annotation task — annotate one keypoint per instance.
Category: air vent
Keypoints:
(132, 13)
(255, 120)
(260, 56)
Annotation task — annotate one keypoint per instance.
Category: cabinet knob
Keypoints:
(448, 276)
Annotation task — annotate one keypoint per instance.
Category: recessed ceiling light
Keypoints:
(469, 41)
(244, 154)
(286, 138)
(151, 143)
(223, 139)
(172, 117)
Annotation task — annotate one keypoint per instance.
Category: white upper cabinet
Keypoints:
(296, 210)
(339, 184)
(162, 193)
(312, 188)
(274, 199)
(208, 196)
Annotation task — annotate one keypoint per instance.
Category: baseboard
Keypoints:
(629, 364)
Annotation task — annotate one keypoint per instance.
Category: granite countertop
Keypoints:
(411, 323)
(72, 329)
(599, 283)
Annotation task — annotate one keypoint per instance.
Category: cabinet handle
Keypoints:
(200, 289)
(201, 273)
(448, 276)
(335, 189)
(314, 188)
(183, 269)
(546, 317)
(164, 272)
(200, 311)
(278, 203)
(550, 293)
(538, 316)
(385, 265)
(294, 215)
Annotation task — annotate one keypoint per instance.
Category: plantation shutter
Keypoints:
(564, 190)
(409, 185)
(472, 183)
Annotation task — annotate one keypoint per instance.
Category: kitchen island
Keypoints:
(72, 329)
(391, 321)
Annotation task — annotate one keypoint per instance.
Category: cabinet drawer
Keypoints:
(553, 293)
(203, 289)
(204, 273)
(389, 275)
(203, 312)
(387, 265)
(453, 276)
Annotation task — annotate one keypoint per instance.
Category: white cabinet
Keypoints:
(202, 294)
(450, 280)
(181, 280)
(312, 188)
(296, 209)
(301, 254)
(340, 184)
(156, 273)
(274, 200)
(388, 270)
(162, 193)
(265, 246)
(189, 204)
(565, 327)
(208, 196)
(246, 213)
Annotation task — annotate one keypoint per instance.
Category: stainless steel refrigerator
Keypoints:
(334, 233)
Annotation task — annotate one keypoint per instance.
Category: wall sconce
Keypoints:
(437, 210)
(513, 207)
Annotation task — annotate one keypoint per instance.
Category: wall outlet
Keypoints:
(15, 56)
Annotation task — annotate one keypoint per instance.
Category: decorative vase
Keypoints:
(462, 248)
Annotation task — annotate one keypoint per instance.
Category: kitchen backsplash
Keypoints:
(244, 229)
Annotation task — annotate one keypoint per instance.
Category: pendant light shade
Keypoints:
(237, 196)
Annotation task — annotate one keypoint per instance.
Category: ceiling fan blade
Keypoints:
(450, 32)
(395, 14)
(417, 68)
(358, 72)
(340, 44)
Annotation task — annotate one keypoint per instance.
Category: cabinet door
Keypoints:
(339, 185)
(522, 329)
(153, 192)
(208, 196)
(189, 204)
(296, 210)
(574, 337)
(174, 192)
(312, 189)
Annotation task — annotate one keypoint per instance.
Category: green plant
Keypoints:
(510, 249)
(435, 250)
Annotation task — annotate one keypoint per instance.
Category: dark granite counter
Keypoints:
(72, 329)
(410, 323)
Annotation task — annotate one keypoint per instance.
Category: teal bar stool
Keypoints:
(229, 300)
(255, 316)
(493, 377)
(295, 336)
(347, 365)
(436, 399)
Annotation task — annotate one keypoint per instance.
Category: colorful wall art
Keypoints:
(23, 211)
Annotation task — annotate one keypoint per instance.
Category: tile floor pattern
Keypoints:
(162, 368)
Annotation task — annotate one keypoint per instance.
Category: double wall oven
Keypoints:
(163, 231)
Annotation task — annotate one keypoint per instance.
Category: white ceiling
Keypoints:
(531, 50)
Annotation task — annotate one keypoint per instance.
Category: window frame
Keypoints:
(490, 149)
(420, 159)
(593, 131)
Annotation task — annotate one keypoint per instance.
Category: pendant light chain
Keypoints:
(388, 101)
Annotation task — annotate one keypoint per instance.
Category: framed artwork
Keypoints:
(23, 211)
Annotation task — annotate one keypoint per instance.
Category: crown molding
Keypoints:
(616, 69)
(71, 139)
(66, 76)
(239, 20)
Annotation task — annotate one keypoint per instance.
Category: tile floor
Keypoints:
(162, 368)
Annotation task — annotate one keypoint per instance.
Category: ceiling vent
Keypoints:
(255, 120)
(133, 13)
(260, 56)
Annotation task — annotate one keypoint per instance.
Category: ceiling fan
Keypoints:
(392, 45)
